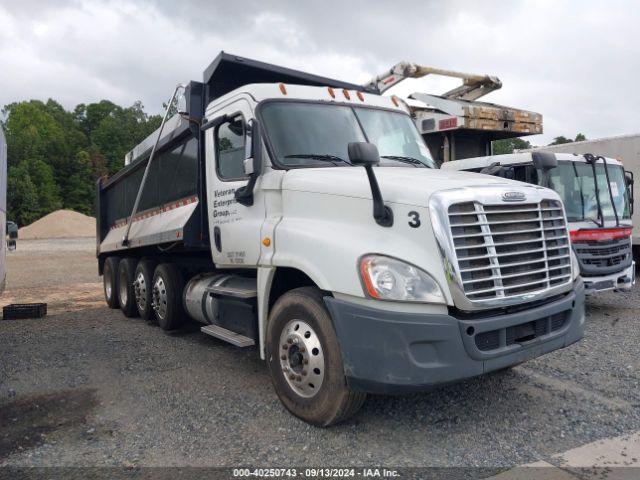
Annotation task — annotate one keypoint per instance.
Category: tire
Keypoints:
(313, 388)
(168, 285)
(142, 287)
(110, 281)
(126, 293)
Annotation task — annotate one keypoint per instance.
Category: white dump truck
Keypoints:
(598, 200)
(303, 215)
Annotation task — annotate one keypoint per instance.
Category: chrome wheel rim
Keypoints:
(106, 280)
(140, 289)
(124, 290)
(301, 358)
(160, 298)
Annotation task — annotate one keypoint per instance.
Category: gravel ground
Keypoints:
(90, 387)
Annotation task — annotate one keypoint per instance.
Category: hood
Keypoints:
(408, 185)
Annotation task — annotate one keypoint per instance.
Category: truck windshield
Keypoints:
(310, 134)
(574, 183)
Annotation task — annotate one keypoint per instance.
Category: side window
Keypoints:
(230, 149)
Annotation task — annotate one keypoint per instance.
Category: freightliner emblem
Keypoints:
(514, 196)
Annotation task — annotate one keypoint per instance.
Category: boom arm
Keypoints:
(473, 86)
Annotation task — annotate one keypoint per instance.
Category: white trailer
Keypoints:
(303, 215)
(624, 148)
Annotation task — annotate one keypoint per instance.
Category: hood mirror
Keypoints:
(363, 153)
(544, 161)
(366, 154)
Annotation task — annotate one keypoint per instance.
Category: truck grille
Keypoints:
(506, 250)
(598, 258)
(525, 332)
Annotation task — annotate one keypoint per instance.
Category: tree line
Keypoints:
(509, 145)
(56, 156)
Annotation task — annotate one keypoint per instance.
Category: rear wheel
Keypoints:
(142, 287)
(168, 286)
(110, 281)
(304, 360)
(126, 294)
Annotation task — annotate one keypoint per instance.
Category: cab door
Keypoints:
(234, 229)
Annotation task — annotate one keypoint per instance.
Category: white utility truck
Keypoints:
(455, 125)
(624, 148)
(304, 215)
(598, 198)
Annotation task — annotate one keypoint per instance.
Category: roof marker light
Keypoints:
(345, 92)
(360, 96)
(331, 92)
(394, 99)
(283, 89)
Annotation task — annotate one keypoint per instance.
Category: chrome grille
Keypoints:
(506, 250)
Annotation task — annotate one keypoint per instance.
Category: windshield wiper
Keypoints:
(400, 158)
(323, 157)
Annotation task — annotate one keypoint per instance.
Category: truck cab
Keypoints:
(304, 215)
(598, 200)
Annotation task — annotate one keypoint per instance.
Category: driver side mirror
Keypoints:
(12, 233)
(252, 165)
(12, 230)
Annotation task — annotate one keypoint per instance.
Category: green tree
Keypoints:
(32, 132)
(560, 140)
(22, 196)
(48, 191)
(580, 137)
(55, 156)
(80, 190)
(508, 145)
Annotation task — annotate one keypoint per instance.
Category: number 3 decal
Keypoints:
(415, 219)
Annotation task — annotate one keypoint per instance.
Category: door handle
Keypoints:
(217, 238)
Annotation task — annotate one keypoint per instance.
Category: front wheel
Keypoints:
(304, 360)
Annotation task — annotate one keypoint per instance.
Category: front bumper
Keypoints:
(393, 352)
(622, 280)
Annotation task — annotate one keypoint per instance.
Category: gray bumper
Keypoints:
(622, 280)
(391, 352)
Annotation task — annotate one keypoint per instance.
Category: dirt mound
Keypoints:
(60, 224)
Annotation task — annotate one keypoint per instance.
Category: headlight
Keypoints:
(575, 266)
(386, 278)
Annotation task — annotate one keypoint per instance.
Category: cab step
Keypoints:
(228, 336)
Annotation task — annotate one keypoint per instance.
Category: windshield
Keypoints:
(311, 134)
(574, 183)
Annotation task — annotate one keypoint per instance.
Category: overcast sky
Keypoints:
(577, 63)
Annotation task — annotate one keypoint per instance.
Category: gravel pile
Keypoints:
(60, 224)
